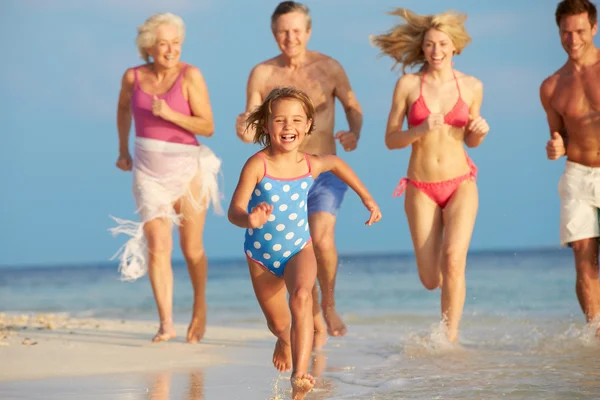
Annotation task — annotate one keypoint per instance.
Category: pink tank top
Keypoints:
(151, 127)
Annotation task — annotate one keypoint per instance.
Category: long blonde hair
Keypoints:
(404, 42)
(259, 118)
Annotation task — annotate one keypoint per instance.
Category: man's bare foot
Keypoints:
(282, 356)
(335, 325)
(196, 329)
(165, 332)
(301, 385)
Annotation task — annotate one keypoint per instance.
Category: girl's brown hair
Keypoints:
(259, 118)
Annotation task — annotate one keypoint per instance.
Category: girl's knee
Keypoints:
(301, 297)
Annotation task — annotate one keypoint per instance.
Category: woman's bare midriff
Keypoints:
(438, 156)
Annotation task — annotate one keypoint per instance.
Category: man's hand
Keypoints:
(555, 148)
(240, 128)
(348, 139)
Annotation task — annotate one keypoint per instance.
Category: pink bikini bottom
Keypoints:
(439, 192)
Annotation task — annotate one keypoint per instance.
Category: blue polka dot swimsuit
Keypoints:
(286, 232)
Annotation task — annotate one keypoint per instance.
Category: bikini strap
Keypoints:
(400, 188)
(457, 85)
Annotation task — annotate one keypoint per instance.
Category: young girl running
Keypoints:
(270, 202)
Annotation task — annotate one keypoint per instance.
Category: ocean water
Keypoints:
(522, 334)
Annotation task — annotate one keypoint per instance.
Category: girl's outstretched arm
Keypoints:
(343, 171)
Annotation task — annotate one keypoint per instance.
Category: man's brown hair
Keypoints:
(575, 7)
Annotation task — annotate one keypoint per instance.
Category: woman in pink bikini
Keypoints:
(174, 177)
(442, 108)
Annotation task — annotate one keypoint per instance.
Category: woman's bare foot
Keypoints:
(301, 385)
(335, 325)
(196, 329)
(282, 356)
(453, 336)
(165, 332)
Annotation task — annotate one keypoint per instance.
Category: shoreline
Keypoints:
(41, 346)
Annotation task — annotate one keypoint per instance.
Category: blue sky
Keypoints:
(61, 81)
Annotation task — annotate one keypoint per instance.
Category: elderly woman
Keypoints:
(174, 177)
(442, 109)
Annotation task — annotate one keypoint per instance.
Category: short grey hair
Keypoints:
(146, 37)
(286, 7)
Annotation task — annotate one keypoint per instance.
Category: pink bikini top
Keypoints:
(457, 117)
(147, 125)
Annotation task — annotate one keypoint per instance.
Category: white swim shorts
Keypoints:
(579, 191)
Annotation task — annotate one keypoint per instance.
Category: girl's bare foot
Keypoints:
(301, 385)
(282, 356)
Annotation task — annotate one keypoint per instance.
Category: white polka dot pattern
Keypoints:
(286, 231)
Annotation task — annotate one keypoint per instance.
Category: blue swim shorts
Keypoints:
(326, 194)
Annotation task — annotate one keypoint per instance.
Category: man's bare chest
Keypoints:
(319, 87)
(577, 97)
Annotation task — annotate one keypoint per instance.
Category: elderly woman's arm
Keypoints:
(124, 119)
(201, 120)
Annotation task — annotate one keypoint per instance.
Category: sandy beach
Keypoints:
(48, 345)
(53, 356)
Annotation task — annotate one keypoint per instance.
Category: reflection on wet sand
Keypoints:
(161, 386)
(324, 386)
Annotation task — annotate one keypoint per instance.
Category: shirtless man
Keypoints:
(324, 80)
(571, 98)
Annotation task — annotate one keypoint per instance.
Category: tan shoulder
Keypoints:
(263, 69)
(469, 81)
(549, 84)
(128, 78)
(408, 82)
(255, 164)
(325, 61)
(192, 73)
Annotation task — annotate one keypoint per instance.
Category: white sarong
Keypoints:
(162, 174)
